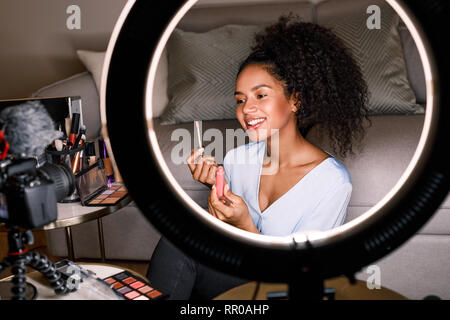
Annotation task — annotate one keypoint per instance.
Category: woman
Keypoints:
(299, 75)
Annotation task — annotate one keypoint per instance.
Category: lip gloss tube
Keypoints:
(220, 174)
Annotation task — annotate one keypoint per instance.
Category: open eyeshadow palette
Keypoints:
(93, 188)
(133, 288)
(110, 196)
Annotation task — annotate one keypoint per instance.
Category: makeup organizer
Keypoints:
(75, 159)
(94, 178)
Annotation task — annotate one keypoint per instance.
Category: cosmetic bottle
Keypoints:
(106, 163)
(90, 157)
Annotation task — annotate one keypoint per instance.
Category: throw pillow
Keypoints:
(379, 53)
(93, 61)
(202, 72)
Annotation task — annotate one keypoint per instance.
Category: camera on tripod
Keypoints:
(31, 193)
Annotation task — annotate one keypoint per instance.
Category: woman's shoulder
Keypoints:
(335, 171)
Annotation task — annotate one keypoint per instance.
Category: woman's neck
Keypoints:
(292, 147)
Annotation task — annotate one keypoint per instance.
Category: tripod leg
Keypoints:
(19, 281)
(47, 268)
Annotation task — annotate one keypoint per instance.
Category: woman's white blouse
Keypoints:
(317, 202)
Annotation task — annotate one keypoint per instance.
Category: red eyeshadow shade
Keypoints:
(154, 294)
(132, 295)
(137, 285)
(129, 280)
(110, 280)
(117, 285)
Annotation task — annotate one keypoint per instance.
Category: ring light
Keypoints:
(137, 42)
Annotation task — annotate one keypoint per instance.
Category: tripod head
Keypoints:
(17, 240)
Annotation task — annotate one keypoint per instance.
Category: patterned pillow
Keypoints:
(379, 53)
(202, 72)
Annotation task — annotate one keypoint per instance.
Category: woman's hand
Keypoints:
(203, 168)
(231, 209)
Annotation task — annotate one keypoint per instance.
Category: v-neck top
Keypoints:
(318, 201)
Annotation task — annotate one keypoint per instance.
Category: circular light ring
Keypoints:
(138, 39)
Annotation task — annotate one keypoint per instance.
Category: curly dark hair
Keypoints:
(316, 68)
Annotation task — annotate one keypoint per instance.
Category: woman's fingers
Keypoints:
(198, 169)
(211, 174)
(208, 164)
(191, 160)
(203, 168)
(230, 195)
(221, 203)
(213, 207)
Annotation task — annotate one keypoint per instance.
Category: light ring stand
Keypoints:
(133, 53)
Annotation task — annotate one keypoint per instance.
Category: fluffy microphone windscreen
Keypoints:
(29, 129)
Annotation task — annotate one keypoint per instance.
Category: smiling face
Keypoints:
(262, 105)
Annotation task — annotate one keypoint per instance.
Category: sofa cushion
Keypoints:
(379, 53)
(414, 67)
(197, 81)
(204, 18)
(202, 72)
(387, 149)
(83, 85)
(195, 47)
(93, 61)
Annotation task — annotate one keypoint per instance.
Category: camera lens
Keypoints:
(62, 177)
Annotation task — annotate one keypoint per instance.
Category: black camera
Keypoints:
(30, 194)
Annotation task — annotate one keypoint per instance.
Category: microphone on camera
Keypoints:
(28, 128)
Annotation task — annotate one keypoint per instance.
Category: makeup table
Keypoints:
(70, 214)
(84, 292)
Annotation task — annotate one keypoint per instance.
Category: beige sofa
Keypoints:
(417, 269)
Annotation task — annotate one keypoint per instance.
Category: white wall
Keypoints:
(36, 47)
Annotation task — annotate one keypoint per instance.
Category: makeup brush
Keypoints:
(79, 136)
(68, 124)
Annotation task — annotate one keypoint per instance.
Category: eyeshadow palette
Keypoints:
(109, 197)
(132, 287)
(93, 188)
